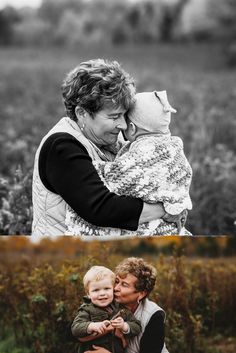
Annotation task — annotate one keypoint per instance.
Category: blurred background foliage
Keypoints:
(73, 22)
(41, 289)
(184, 46)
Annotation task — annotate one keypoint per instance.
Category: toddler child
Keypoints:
(107, 322)
(151, 166)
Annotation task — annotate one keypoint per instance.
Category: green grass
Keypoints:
(8, 344)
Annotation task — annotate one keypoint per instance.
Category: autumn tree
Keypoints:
(225, 14)
(8, 17)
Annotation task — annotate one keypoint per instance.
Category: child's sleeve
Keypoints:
(134, 325)
(80, 324)
(122, 175)
(152, 171)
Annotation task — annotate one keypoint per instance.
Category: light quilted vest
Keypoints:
(49, 209)
(144, 313)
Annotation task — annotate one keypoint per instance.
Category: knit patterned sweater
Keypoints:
(153, 168)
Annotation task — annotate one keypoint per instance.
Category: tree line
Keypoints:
(72, 22)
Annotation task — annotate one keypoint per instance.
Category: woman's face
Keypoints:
(103, 128)
(125, 291)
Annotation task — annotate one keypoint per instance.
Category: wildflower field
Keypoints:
(199, 87)
(41, 288)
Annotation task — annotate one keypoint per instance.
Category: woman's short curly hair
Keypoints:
(95, 83)
(145, 273)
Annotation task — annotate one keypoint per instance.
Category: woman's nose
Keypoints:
(117, 287)
(122, 125)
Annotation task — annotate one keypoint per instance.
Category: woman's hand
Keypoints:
(98, 327)
(155, 211)
(151, 212)
(179, 219)
(98, 350)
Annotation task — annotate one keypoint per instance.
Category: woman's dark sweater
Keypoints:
(66, 168)
(152, 340)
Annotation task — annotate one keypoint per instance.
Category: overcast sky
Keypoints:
(35, 3)
(20, 3)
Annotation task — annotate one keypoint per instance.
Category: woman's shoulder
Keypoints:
(62, 139)
(151, 306)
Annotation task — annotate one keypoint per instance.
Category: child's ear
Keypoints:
(133, 128)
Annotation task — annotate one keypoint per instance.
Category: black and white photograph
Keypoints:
(117, 118)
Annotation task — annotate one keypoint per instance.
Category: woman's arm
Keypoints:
(153, 337)
(151, 211)
(66, 169)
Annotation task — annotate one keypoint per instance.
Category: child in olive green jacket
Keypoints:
(100, 320)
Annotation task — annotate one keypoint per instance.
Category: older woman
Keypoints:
(135, 279)
(96, 95)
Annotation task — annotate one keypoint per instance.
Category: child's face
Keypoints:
(165, 123)
(101, 292)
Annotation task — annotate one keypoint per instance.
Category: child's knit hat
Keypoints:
(151, 111)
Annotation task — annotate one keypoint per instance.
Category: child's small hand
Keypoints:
(179, 219)
(120, 323)
(98, 327)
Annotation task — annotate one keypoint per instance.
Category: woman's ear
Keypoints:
(81, 116)
(79, 110)
(142, 295)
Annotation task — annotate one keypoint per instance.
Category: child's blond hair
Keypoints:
(97, 273)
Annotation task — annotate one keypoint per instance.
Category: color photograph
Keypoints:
(55, 295)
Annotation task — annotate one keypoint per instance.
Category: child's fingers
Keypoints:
(117, 323)
(100, 330)
(117, 320)
(103, 328)
(106, 322)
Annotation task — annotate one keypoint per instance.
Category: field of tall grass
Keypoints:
(41, 288)
(199, 87)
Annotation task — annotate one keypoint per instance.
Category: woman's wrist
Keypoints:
(151, 212)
